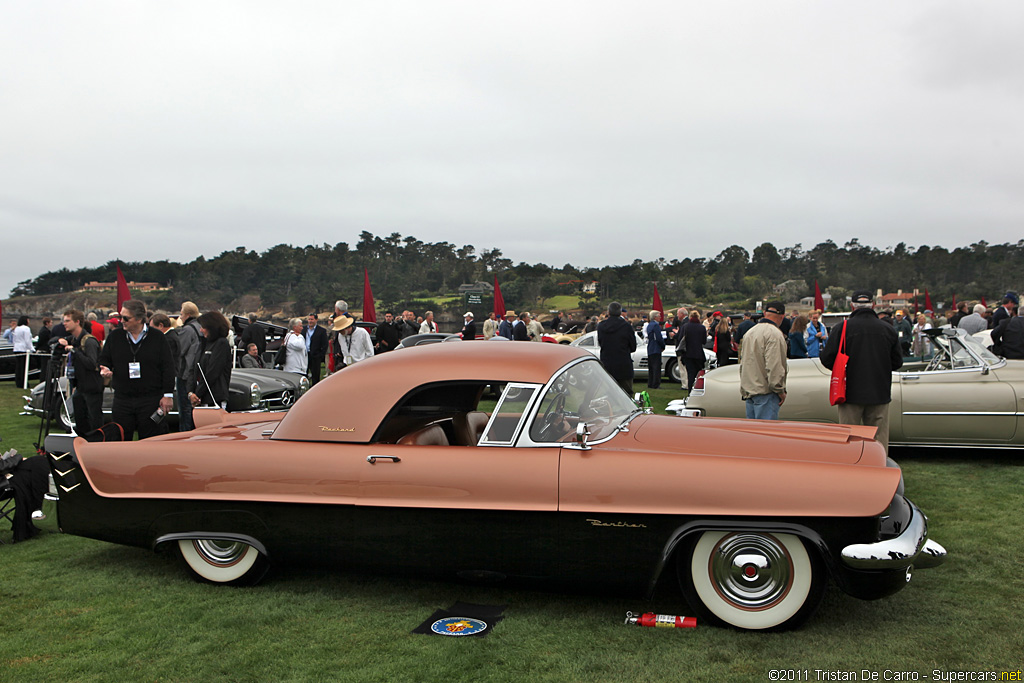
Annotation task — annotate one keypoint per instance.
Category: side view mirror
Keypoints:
(582, 432)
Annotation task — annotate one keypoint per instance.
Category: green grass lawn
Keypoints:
(74, 609)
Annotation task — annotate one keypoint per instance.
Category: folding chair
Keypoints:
(6, 504)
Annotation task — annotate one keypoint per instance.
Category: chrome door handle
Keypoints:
(372, 459)
(907, 378)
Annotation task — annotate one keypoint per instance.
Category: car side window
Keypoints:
(962, 358)
(508, 415)
(588, 341)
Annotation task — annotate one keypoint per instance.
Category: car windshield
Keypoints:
(955, 347)
(583, 392)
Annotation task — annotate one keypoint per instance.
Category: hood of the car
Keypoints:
(763, 439)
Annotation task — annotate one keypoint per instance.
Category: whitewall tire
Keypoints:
(220, 561)
(752, 580)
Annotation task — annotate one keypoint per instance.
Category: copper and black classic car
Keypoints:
(394, 464)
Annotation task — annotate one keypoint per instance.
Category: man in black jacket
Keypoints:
(388, 336)
(617, 340)
(138, 362)
(874, 352)
(469, 327)
(83, 357)
(316, 348)
(254, 334)
(1008, 338)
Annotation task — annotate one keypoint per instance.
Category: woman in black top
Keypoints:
(214, 361)
(723, 341)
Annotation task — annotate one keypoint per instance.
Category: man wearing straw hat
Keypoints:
(351, 343)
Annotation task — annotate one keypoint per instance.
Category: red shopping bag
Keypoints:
(837, 386)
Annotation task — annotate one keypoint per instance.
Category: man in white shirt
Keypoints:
(428, 324)
(353, 343)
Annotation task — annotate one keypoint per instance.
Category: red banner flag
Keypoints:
(983, 302)
(499, 301)
(819, 301)
(657, 302)
(954, 303)
(1, 313)
(122, 289)
(927, 301)
(369, 311)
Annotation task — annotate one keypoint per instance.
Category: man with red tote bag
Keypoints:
(873, 352)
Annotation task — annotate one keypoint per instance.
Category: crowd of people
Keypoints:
(150, 361)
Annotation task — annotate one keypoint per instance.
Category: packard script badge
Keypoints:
(458, 626)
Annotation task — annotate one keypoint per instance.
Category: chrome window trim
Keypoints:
(528, 410)
(526, 442)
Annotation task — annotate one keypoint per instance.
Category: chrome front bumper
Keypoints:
(910, 548)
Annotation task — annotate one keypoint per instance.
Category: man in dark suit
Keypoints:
(316, 348)
(617, 340)
(519, 331)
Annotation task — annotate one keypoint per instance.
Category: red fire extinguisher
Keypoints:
(660, 620)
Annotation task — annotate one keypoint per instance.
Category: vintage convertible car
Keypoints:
(393, 465)
(249, 389)
(965, 396)
(671, 367)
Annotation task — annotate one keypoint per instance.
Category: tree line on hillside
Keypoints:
(405, 269)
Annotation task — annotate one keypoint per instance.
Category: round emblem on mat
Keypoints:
(458, 626)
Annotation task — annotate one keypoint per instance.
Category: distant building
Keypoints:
(808, 301)
(140, 286)
(476, 288)
(899, 299)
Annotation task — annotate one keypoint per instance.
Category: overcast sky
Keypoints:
(587, 132)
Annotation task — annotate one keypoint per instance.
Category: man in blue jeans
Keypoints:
(763, 365)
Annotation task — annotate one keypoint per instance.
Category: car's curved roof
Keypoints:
(349, 405)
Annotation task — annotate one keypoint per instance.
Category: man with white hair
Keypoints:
(975, 322)
(874, 352)
(428, 324)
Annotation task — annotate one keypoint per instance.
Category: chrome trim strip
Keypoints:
(995, 445)
(896, 553)
(962, 412)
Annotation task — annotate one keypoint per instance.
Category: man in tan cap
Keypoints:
(505, 328)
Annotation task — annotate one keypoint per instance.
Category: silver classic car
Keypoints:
(964, 396)
(670, 366)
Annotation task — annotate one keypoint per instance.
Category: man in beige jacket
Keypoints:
(763, 366)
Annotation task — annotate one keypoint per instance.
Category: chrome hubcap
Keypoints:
(751, 571)
(220, 553)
